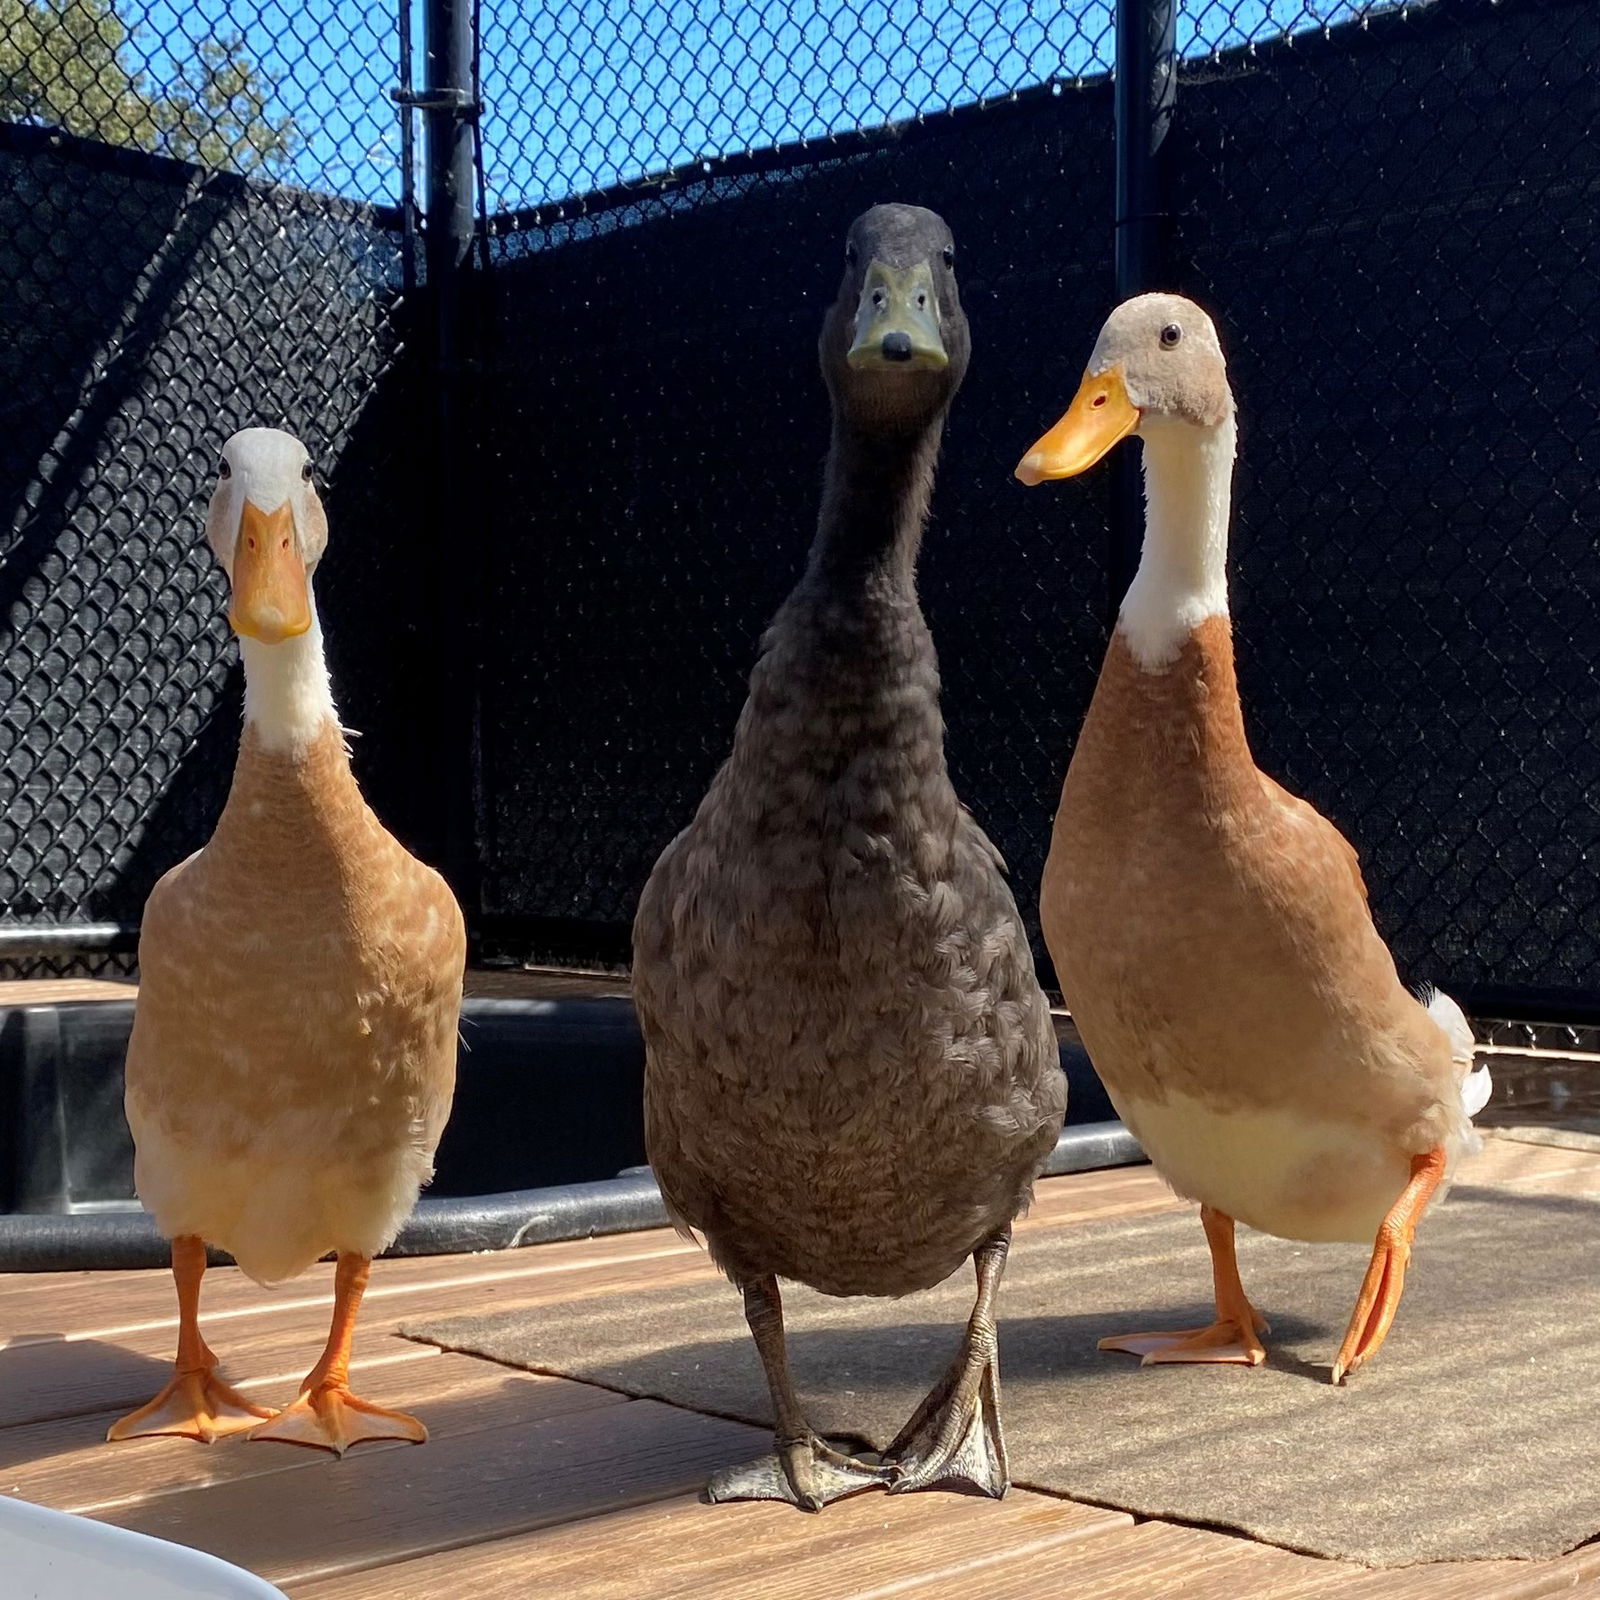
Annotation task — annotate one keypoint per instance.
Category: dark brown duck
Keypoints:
(852, 1078)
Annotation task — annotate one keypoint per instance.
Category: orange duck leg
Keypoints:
(327, 1416)
(1386, 1274)
(1233, 1338)
(196, 1404)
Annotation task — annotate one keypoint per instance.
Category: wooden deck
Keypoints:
(544, 1486)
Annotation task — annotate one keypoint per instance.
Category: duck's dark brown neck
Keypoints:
(848, 675)
(874, 503)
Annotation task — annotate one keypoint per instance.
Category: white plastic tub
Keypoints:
(51, 1555)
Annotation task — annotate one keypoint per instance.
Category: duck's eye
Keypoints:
(224, 470)
(949, 254)
(305, 472)
(1170, 335)
(849, 255)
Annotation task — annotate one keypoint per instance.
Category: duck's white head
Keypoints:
(1157, 371)
(1157, 363)
(268, 529)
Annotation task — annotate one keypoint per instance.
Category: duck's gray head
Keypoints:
(895, 344)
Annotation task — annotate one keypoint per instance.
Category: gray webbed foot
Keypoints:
(805, 1472)
(954, 1438)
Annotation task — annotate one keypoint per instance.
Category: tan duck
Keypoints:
(1210, 930)
(294, 1042)
(851, 1076)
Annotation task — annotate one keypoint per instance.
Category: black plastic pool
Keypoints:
(546, 1140)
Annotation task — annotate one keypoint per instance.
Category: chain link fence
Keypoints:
(207, 220)
(679, 185)
(196, 234)
(657, 553)
(1398, 221)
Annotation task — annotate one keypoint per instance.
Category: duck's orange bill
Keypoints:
(271, 599)
(1100, 414)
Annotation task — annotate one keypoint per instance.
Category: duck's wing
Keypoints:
(667, 957)
(1318, 827)
(1030, 1093)
(172, 939)
(429, 959)
(1316, 836)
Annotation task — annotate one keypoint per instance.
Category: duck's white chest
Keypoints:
(1281, 1172)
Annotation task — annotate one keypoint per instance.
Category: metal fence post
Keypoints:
(449, 104)
(1146, 90)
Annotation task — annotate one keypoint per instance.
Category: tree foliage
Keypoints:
(65, 64)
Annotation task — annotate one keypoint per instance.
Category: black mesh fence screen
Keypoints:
(678, 422)
(1398, 224)
(1391, 210)
(148, 309)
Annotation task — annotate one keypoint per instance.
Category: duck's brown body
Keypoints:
(1215, 948)
(293, 1053)
(293, 1049)
(853, 1076)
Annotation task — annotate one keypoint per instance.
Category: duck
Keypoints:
(1210, 930)
(852, 1076)
(293, 1054)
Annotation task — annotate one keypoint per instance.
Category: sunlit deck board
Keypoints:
(543, 983)
(540, 1485)
(52, 991)
(679, 1548)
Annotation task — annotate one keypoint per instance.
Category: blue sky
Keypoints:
(582, 93)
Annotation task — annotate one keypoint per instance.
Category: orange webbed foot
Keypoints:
(1225, 1342)
(329, 1417)
(195, 1405)
(1233, 1339)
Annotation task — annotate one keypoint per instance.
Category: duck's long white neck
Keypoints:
(287, 697)
(1183, 571)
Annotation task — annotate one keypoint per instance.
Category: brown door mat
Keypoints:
(1475, 1433)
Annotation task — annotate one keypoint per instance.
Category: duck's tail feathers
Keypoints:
(1475, 1081)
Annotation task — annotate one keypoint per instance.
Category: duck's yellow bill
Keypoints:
(1100, 414)
(271, 598)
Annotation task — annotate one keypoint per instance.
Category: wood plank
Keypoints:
(1161, 1558)
(732, 1552)
(921, 1545)
(50, 1306)
(1513, 1162)
(52, 991)
(1474, 1580)
(86, 1350)
(83, 1308)
(95, 1346)
(68, 1464)
(1152, 1559)
(386, 1506)
(151, 1288)
(482, 1453)
(41, 1383)
(544, 983)
(1100, 1197)
(41, 1379)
